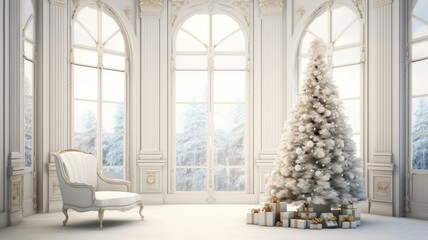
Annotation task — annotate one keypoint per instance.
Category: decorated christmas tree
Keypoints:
(317, 159)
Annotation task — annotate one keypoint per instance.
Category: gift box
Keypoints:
(336, 213)
(298, 223)
(352, 224)
(354, 212)
(306, 207)
(287, 215)
(329, 220)
(277, 207)
(315, 223)
(307, 215)
(266, 216)
(253, 217)
(345, 219)
(348, 205)
(285, 222)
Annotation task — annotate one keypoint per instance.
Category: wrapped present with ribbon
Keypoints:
(306, 207)
(277, 207)
(286, 216)
(298, 223)
(354, 212)
(347, 221)
(329, 220)
(348, 205)
(315, 223)
(266, 216)
(253, 217)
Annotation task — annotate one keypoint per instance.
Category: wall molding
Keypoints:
(271, 7)
(150, 7)
(61, 3)
(380, 3)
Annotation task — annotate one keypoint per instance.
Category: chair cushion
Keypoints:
(115, 198)
(80, 167)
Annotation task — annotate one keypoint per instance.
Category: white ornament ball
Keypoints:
(318, 173)
(299, 151)
(298, 168)
(309, 144)
(321, 154)
(341, 158)
(327, 113)
(301, 129)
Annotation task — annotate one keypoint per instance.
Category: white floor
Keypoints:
(199, 222)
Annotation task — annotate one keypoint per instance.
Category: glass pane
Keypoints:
(29, 30)
(113, 61)
(419, 81)
(85, 117)
(420, 151)
(113, 173)
(234, 43)
(223, 25)
(28, 150)
(113, 150)
(352, 35)
(341, 18)
(229, 179)
(28, 78)
(198, 25)
(29, 50)
(109, 26)
(352, 112)
(191, 118)
(319, 27)
(113, 85)
(357, 140)
(229, 86)
(191, 62)
(116, 43)
(229, 151)
(113, 118)
(82, 37)
(191, 86)
(86, 143)
(85, 82)
(229, 118)
(191, 179)
(28, 10)
(420, 115)
(28, 115)
(185, 42)
(421, 9)
(85, 57)
(230, 62)
(420, 50)
(346, 56)
(347, 79)
(191, 150)
(419, 29)
(89, 17)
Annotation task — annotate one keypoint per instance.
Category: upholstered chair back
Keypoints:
(80, 167)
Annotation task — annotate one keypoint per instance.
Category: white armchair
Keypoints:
(84, 188)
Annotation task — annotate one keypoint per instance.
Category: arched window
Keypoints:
(418, 72)
(29, 42)
(210, 53)
(340, 28)
(100, 73)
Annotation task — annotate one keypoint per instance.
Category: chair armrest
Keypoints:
(105, 184)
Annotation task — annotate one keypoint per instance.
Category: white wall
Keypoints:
(3, 155)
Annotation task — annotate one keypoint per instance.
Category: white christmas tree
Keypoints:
(317, 160)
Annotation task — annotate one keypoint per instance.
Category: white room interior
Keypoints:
(187, 100)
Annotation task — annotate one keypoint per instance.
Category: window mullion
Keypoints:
(100, 67)
(210, 107)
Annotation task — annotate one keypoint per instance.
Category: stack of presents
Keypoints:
(308, 216)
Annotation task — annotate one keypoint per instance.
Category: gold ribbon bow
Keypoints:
(267, 208)
(255, 210)
(277, 207)
(316, 221)
(350, 202)
(349, 218)
(274, 200)
(330, 219)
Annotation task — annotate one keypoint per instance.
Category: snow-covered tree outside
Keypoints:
(317, 155)
(419, 136)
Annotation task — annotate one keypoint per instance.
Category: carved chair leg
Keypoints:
(141, 209)
(101, 216)
(64, 210)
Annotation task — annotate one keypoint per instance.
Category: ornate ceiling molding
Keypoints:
(271, 7)
(151, 7)
(61, 3)
(359, 5)
(299, 14)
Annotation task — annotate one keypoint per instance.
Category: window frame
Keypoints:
(178, 21)
(129, 71)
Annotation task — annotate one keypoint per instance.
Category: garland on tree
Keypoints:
(316, 160)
